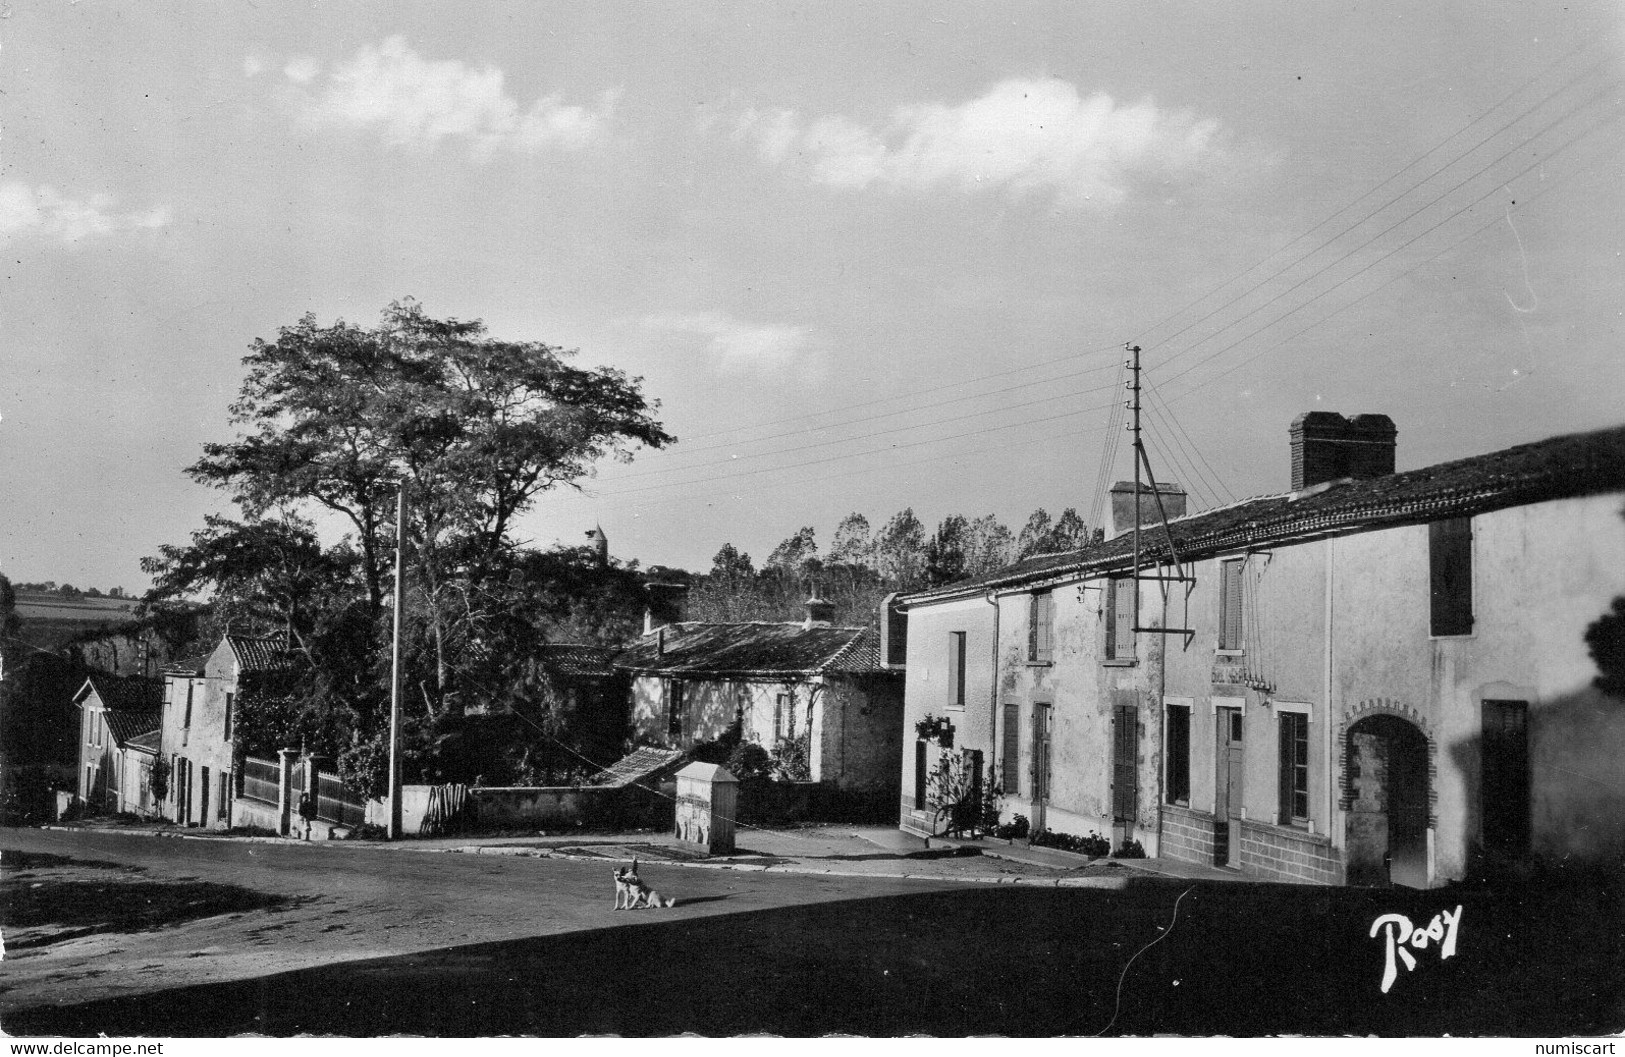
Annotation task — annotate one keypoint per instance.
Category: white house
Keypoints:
(1372, 677)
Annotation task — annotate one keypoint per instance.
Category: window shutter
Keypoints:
(1012, 747)
(1230, 637)
(1125, 775)
(956, 667)
(1046, 626)
(1450, 573)
(1284, 791)
(1034, 611)
(1122, 629)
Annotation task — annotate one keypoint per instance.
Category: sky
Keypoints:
(865, 256)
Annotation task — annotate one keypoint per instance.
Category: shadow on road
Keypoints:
(42, 902)
(1241, 960)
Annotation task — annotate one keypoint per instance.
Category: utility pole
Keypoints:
(395, 670)
(1139, 453)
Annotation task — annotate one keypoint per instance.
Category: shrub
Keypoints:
(1130, 849)
(1094, 845)
(1015, 829)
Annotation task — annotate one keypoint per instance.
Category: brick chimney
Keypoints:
(1326, 446)
(1173, 503)
(820, 614)
(665, 604)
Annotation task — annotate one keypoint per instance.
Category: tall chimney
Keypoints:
(820, 614)
(1173, 504)
(664, 605)
(1326, 446)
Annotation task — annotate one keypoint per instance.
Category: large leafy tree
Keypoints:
(472, 427)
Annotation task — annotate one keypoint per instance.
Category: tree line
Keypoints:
(863, 565)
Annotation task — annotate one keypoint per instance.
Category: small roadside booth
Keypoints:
(707, 799)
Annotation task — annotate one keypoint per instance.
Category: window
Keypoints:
(1230, 638)
(1120, 619)
(187, 721)
(1040, 627)
(1294, 768)
(1177, 753)
(229, 699)
(674, 708)
(224, 799)
(919, 776)
(956, 669)
(1012, 746)
(783, 710)
(1450, 575)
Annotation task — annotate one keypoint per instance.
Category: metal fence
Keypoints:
(262, 780)
(336, 804)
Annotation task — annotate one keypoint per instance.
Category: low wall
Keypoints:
(497, 808)
(246, 812)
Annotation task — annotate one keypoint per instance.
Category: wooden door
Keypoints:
(1227, 777)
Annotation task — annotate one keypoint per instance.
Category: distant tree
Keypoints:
(1069, 533)
(1035, 535)
(853, 543)
(945, 551)
(988, 546)
(732, 564)
(900, 550)
(797, 555)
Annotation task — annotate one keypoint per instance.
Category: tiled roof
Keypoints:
(128, 695)
(750, 649)
(578, 660)
(127, 725)
(1563, 467)
(641, 765)
(267, 654)
(148, 741)
(187, 665)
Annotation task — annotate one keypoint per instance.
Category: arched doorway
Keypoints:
(1387, 828)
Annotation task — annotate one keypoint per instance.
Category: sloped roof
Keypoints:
(128, 694)
(187, 665)
(264, 654)
(641, 765)
(148, 742)
(127, 725)
(751, 649)
(1564, 467)
(580, 660)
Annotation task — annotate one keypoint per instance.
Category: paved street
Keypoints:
(136, 935)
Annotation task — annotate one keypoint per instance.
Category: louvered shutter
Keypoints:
(1230, 637)
(1450, 572)
(1012, 747)
(1125, 775)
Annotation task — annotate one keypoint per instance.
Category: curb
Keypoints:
(503, 851)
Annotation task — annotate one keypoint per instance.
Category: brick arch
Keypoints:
(1388, 706)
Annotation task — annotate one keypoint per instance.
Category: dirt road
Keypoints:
(143, 936)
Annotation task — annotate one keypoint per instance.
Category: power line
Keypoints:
(1403, 220)
(1420, 235)
(871, 418)
(1391, 201)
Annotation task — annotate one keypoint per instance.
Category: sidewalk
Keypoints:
(833, 850)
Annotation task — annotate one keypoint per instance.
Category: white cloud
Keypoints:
(43, 211)
(411, 100)
(737, 347)
(301, 69)
(1021, 136)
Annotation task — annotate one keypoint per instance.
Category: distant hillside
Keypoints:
(50, 619)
